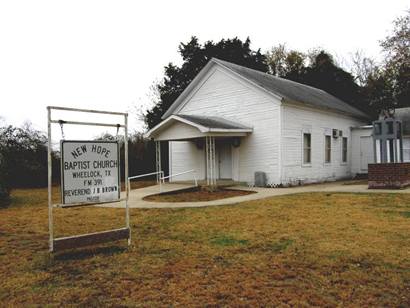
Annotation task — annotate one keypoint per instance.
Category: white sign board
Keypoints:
(90, 171)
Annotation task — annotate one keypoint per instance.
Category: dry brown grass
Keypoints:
(298, 250)
(138, 184)
(196, 195)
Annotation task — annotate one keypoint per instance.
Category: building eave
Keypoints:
(289, 102)
(155, 131)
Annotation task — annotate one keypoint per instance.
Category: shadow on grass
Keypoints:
(81, 253)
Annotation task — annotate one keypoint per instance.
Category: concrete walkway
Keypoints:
(136, 195)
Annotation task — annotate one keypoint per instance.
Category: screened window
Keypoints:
(406, 127)
(307, 148)
(328, 149)
(389, 127)
(378, 128)
(398, 130)
(344, 150)
(390, 150)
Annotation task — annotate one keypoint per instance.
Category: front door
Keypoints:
(366, 153)
(225, 161)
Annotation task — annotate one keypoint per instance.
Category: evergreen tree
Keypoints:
(324, 74)
(195, 56)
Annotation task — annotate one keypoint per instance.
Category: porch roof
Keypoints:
(184, 127)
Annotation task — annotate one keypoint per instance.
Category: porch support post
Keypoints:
(213, 161)
(207, 160)
(210, 161)
(211, 164)
(158, 160)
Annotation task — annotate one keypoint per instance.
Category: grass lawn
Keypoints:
(296, 250)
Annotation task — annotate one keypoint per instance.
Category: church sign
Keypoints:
(90, 171)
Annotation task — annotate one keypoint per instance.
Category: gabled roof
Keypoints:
(287, 90)
(204, 124)
(213, 123)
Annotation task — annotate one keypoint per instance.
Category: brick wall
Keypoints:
(389, 175)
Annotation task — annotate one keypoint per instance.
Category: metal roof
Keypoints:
(293, 91)
(213, 122)
(204, 124)
(402, 114)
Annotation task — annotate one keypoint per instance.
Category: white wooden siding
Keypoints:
(226, 95)
(276, 144)
(358, 152)
(184, 156)
(179, 130)
(299, 119)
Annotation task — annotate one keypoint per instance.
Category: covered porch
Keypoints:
(209, 145)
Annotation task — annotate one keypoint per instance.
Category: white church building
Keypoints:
(232, 121)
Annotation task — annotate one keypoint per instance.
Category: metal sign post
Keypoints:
(90, 172)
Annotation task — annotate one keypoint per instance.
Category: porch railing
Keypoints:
(178, 174)
(161, 175)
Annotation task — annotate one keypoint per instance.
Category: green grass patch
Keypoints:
(224, 240)
(405, 214)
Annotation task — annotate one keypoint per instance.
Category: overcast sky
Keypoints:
(106, 54)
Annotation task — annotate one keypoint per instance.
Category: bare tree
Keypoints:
(276, 59)
(362, 67)
(396, 49)
(397, 46)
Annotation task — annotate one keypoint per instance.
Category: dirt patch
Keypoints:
(138, 184)
(356, 182)
(197, 194)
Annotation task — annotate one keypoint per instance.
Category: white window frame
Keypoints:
(347, 151)
(306, 131)
(325, 149)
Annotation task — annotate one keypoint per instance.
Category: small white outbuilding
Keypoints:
(232, 121)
